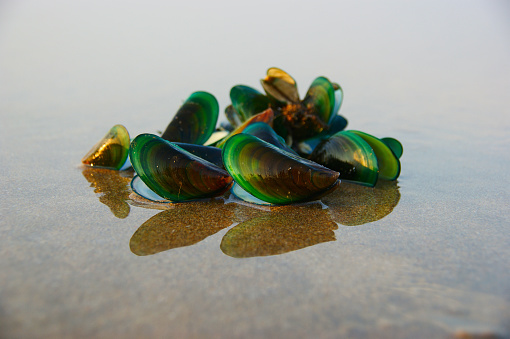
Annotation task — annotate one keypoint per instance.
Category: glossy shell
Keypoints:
(280, 86)
(274, 175)
(247, 101)
(208, 153)
(395, 146)
(173, 173)
(264, 132)
(267, 117)
(339, 97)
(389, 165)
(195, 121)
(111, 151)
(350, 155)
(321, 96)
(306, 147)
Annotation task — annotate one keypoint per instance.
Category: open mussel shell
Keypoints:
(234, 118)
(173, 173)
(395, 146)
(274, 175)
(111, 151)
(208, 153)
(280, 86)
(241, 194)
(247, 101)
(389, 165)
(350, 155)
(264, 132)
(321, 97)
(339, 97)
(195, 121)
(266, 117)
(216, 137)
(140, 188)
(306, 147)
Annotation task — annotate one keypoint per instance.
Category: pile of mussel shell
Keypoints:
(276, 149)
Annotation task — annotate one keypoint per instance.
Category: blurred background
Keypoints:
(135, 62)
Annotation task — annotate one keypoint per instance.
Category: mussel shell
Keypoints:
(306, 147)
(195, 121)
(140, 188)
(395, 146)
(321, 97)
(208, 153)
(111, 151)
(280, 86)
(248, 101)
(240, 193)
(216, 137)
(339, 97)
(389, 165)
(264, 132)
(274, 175)
(234, 118)
(350, 155)
(266, 116)
(173, 173)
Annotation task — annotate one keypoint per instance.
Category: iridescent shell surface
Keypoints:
(264, 132)
(247, 101)
(350, 155)
(267, 117)
(389, 165)
(173, 173)
(279, 85)
(195, 121)
(111, 151)
(274, 175)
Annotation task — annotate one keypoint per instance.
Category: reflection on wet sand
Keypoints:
(183, 225)
(113, 186)
(263, 233)
(353, 205)
(283, 230)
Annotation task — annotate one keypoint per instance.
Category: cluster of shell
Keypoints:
(275, 149)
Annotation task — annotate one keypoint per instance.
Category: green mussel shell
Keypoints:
(389, 165)
(306, 147)
(339, 97)
(321, 97)
(394, 145)
(264, 132)
(111, 151)
(195, 121)
(274, 175)
(248, 101)
(173, 173)
(266, 116)
(208, 153)
(280, 86)
(350, 155)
